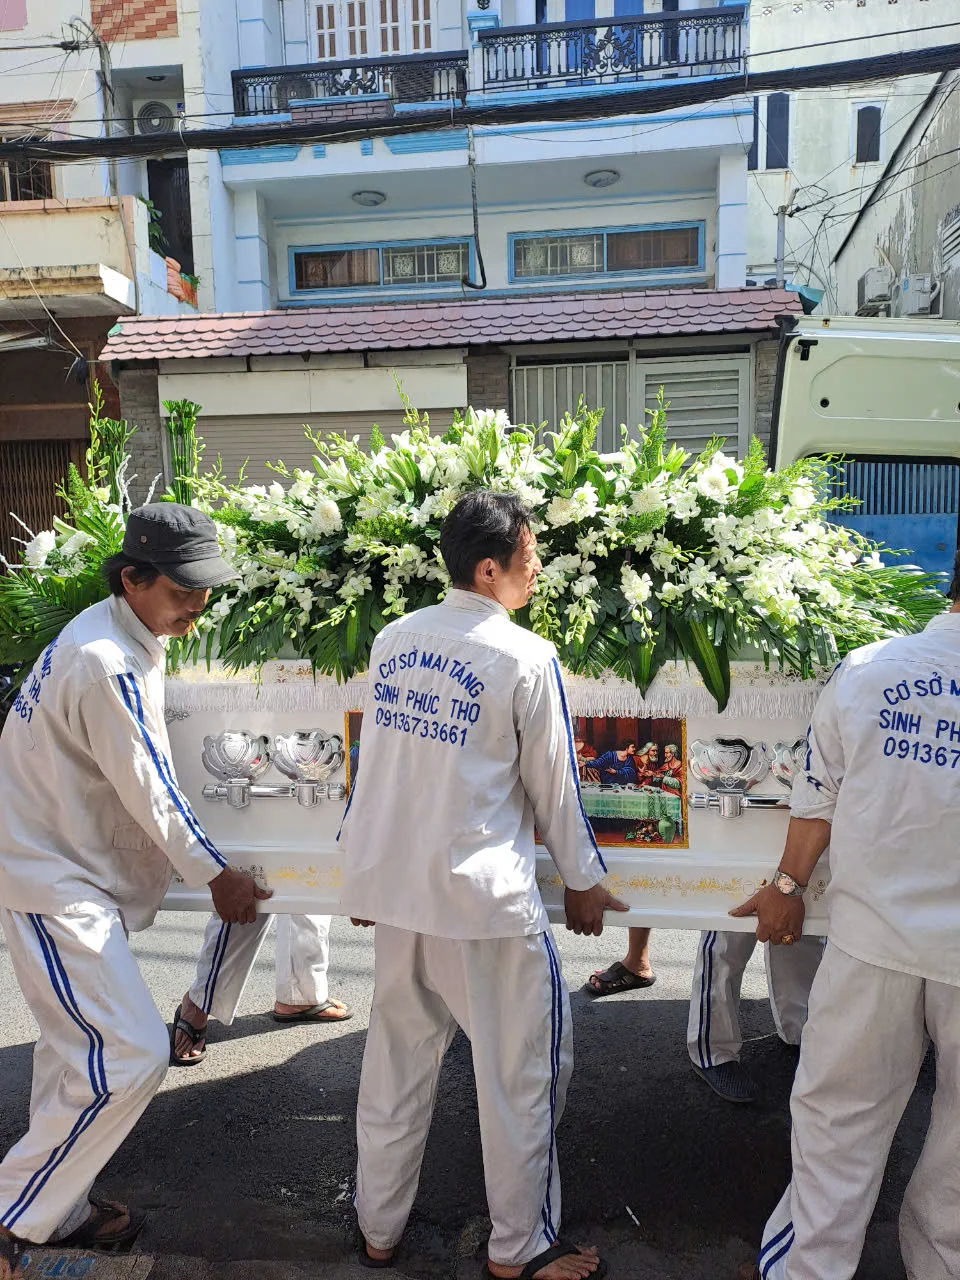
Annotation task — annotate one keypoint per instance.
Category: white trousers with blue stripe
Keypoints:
(863, 1046)
(101, 1056)
(509, 997)
(713, 1026)
(230, 951)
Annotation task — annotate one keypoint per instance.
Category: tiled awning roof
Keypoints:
(386, 326)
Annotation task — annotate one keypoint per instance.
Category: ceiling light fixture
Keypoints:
(602, 178)
(369, 199)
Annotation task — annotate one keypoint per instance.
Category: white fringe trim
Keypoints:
(677, 691)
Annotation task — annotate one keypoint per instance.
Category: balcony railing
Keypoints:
(695, 42)
(417, 77)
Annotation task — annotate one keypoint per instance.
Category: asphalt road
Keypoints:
(251, 1155)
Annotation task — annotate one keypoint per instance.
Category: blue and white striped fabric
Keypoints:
(97, 1073)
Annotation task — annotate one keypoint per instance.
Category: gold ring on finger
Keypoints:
(787, 939)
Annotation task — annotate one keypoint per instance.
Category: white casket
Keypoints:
(690, 824)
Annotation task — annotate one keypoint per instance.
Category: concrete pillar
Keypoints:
(731, 233)
(253, 292)
(259, 23)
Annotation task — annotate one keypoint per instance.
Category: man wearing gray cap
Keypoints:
(92, 827)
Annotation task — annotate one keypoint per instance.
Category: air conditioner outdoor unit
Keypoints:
(912, 296)
(874, 286)
(156, 115)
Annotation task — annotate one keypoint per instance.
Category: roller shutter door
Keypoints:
(707, 395)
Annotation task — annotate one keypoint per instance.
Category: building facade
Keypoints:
(819, 152)
(908, 227)
(543, 211)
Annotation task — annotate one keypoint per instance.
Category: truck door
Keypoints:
(882, 396)
(910, 504)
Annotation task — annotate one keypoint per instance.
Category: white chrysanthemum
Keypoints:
(649, 498)
(560, 511)
(326, 519)
(37, 550)
(714, 484)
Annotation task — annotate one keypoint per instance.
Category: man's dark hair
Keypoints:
(627, 744)
(114, 567)
(954, 592)
(483, 525)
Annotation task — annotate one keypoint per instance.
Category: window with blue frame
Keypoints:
(675, 247)
(373, 266)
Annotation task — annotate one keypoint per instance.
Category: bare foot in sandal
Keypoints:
(10, 1250)
(108, 1224)
(186, 1049)
(329, 1011)
(560, 1262)
(630, 973)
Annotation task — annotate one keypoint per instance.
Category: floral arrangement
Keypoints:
(648, 554)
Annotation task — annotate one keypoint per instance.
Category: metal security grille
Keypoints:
(425, 264)
(30, 473)
(557, 256)
(544, 393)
(900, 488)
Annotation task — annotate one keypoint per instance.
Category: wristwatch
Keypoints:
(788, 886)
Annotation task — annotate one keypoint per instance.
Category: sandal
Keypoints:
(89, 1235)
(11, 1251)
(181, 1024)
(615, 979)
(315, 1014)
(560, 1250)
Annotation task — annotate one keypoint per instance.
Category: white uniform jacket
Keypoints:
(466, 745)
(883, 766)
(90, 810)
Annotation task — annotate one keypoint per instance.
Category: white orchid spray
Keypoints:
(648, 554)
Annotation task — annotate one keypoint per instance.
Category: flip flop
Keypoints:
(560, 1250)
(11, 1251)
(87, 1235)
(313, 1014)
(181, 1024)
(616, 979)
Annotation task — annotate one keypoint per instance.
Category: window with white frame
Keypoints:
(371, 28)
(868, 122)
(442, 262)
(770, 148)
(707, 395)
(633, 250)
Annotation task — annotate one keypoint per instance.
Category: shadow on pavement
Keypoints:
(261, 1165)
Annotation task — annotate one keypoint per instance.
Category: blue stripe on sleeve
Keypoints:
(173, 791)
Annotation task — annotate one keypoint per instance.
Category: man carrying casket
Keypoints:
(881, 786)
(466, 716)
(92, 825)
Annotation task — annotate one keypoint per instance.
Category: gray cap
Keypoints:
(179, 541)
